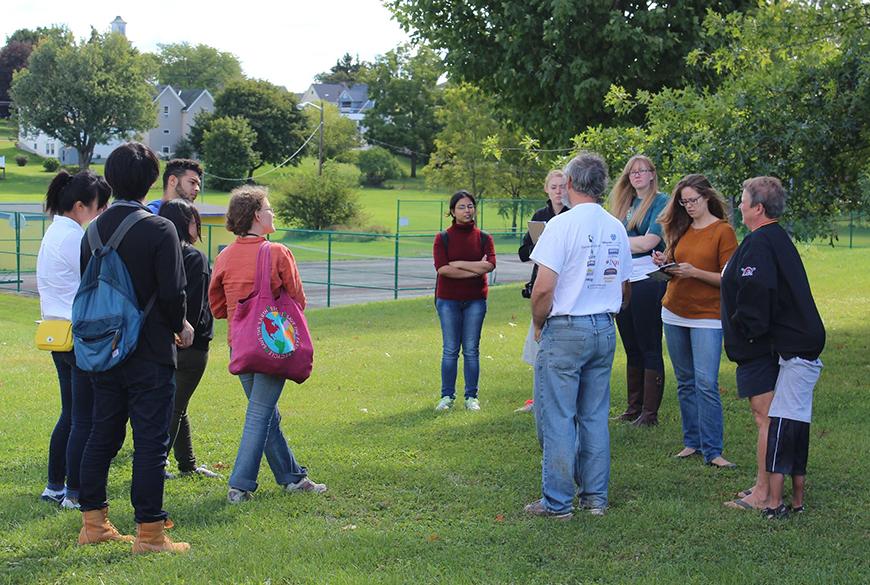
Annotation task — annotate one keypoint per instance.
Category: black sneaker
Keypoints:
(778, 513)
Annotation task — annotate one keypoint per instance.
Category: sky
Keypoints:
(287, 43)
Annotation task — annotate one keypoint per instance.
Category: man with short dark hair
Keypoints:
(182, 179)
(584, 265)
(142, 387)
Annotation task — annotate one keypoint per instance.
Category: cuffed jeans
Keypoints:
(142, 391)
(572, 401)
(262, 434)
(695, 354)
(191, 366)
(73, 426)
(461, 323)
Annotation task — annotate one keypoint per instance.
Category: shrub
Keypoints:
(378, 165)
(312, 201)
(21, 160)
(228, 151)
(51, 164)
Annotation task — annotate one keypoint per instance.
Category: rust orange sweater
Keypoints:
(707, 249)
(234, 271)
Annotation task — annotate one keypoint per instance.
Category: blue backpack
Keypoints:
(106, 318)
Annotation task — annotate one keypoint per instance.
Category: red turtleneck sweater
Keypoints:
(463, 241)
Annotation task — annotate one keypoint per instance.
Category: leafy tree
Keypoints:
(228, 151)
(794, 103)
(378, 165)
(347, 70)
(84, 93)
(316, 202)
(271, 112)
(404, 88)
(14, 55)
(197, 66)
(551, 62)
(340, 134)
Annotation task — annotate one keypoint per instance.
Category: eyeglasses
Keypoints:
(269, 209)
(465, 207)
(691, 201)
(640, 173)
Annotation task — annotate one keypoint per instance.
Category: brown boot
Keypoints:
(634, 382)
(97, 528)
(151, 538)
(653, 389)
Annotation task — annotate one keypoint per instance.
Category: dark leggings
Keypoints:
(640, 326)
(191, 366)
(73, 426)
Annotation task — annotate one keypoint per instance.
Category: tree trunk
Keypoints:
(413, 165)
(86, 153)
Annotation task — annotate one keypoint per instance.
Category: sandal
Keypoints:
(745, 493)
(740, 505)
(778, 513)
(683, 455)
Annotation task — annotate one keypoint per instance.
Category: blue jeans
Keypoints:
(73, 426)
(695, 354)
(461, 322)
(572, 401)
(141, 391)
(262, 434)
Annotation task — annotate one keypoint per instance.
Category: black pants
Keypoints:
(142, 392)
(191, 366)
(640, 326)
(73, 426)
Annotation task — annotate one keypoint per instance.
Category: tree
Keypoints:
(272, 113)
(197, 66)
(228, 151)
(84, 93)
(14, 55)
(404, 88)
(378, 165)
(316, 202)
(552, 62)
(340, 134)
(794, 103)
(347, 70)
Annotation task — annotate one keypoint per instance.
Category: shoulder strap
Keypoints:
(129, 221)
(94, 240)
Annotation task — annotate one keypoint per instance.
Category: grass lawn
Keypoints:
(416, 497)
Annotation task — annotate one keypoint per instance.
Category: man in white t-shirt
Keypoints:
(584, 266)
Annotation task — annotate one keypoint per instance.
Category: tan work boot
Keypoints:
(151, 538)
(97, 528)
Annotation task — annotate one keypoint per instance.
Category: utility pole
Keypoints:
(320, 150)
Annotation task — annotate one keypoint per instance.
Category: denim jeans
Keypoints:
(191, 366)
(73, 426)
(572, 401)
(262, 434)
(695, 354)
(461, 322)
(141, 391)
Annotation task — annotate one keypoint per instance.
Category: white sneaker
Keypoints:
(235, 496)
(306, 485)
(446, 403)
(472, 404)
(55, 496)
(70, 503)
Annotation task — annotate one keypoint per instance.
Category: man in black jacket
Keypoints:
(141, 388)
(768, 312)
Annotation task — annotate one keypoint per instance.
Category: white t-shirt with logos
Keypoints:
(588, 248)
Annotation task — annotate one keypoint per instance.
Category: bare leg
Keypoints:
(777, 483)
(760, 405)
(797, 488)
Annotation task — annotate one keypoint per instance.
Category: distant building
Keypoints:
(352, 102)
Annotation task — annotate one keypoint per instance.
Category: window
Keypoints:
(166, 131)
(165, 111)
(165, 150)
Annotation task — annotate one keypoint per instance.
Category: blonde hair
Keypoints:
(550, 175)
(622, 194)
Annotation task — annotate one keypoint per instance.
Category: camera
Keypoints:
(527, 290)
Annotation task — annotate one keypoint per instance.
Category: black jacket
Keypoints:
(152, 254)
(767, 304)
(198, 272)
(544, 214)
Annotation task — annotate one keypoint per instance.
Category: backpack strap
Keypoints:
(129, 221)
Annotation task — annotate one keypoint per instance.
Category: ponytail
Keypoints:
(66, 189)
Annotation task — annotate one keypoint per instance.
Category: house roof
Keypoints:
(328, 91)
(359, 92)
(186, 96)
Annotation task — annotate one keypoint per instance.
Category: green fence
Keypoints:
(494, 215)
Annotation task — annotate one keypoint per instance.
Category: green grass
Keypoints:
(417, 497)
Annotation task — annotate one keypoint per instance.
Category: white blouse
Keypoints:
(58, 272)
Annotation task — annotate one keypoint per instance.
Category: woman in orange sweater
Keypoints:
(700, 241)
(250, 217)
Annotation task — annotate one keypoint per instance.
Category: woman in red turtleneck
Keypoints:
(462, 261)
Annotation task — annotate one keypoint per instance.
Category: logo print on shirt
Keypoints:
(747, 271)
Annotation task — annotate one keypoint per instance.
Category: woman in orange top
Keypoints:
(700, 241)
(250, 217)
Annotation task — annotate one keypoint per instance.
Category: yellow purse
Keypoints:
(54, 335)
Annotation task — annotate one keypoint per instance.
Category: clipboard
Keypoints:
(536, 228)
(660, 274)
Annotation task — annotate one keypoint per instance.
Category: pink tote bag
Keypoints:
(270, 335)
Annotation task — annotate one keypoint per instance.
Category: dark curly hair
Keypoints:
(245, 201)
